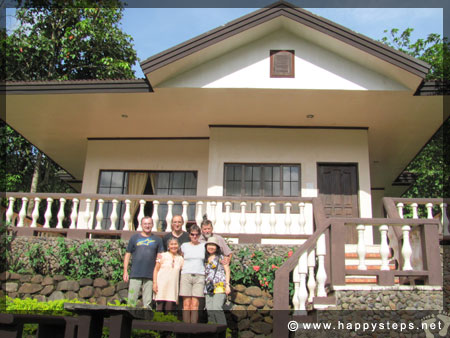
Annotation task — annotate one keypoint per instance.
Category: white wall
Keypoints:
(239, 145)
(304, 146)
(315, 68)
(145, 155)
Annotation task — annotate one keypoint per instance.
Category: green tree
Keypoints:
(434, 50)
(428, 166)
(57, 42)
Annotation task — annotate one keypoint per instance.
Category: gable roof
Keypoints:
(287, 10)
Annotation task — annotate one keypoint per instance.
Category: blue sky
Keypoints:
(157, 29)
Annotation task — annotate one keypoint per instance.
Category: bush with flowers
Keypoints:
(255, 268)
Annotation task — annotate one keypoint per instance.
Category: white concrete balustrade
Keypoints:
(77, 211)
(308, 283)
(430, 208)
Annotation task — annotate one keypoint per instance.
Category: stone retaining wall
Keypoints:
(389, 300)
(250, 308)
(47, 288)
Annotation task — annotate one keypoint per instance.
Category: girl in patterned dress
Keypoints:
(217, 282)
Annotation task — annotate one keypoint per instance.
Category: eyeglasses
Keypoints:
(194, 235)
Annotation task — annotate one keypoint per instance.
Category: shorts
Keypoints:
(192, 285)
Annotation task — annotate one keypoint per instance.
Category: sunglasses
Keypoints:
(194, 235)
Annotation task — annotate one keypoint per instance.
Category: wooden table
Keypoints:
(11, 325)
(90, 319)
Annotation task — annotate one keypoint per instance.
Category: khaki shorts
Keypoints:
(192, 285)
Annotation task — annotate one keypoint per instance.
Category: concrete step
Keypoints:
(372, 261)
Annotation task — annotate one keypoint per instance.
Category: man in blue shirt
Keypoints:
(144, 249)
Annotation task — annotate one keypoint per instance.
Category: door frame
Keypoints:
(355, 164)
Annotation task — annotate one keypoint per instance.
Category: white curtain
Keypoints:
(136, 186)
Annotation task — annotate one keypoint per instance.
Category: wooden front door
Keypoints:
(338, 189)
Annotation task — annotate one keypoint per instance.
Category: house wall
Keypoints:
(183, 155)
(304, 146)
(189, 155)
(239, 145)
(315, 68)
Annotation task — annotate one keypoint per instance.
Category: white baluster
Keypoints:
(155, 216)
(99, 216)
(243, 218)
(400, 209)
(48, 212)
(74, 214)
(361, 248)
(444, 219)
(406, 248)
(199, 217)
(23, 212)
(321, 276)
(169, 216)
(114, 217)
(311, 278)
(272, 219)
(184, 214)
(258, 217)
(384, 247)
(296, 281)
(301, 218)
(303, 270)
(87, 213)
(10, 211)
(141, 214)
(127, 216)
(60, 216)
(287, 217)
(227, 217)
(212, 216)
(429, 207)
(35, 214)
(429, 210)
(414, 210)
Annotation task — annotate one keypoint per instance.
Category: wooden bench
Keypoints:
(11, 325)
(183, 329)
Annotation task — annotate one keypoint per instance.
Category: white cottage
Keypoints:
(278, 125)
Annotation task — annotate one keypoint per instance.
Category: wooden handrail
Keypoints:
(416, 200)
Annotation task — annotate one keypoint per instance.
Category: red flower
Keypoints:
(290, 253)
(265, 278)
(274, 266)
(253, 255)
(256, 268)
(71, 37)
(20, 49)
(267, 283)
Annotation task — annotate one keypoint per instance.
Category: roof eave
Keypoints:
(77, 87)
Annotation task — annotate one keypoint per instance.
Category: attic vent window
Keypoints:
(282, 63)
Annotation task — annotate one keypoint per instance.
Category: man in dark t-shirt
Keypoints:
(143, 248)
(177, 232)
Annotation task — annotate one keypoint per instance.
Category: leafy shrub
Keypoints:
(74, 262)
(260, 271)
(54, 307)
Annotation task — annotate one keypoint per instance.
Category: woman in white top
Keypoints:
(192, 280)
